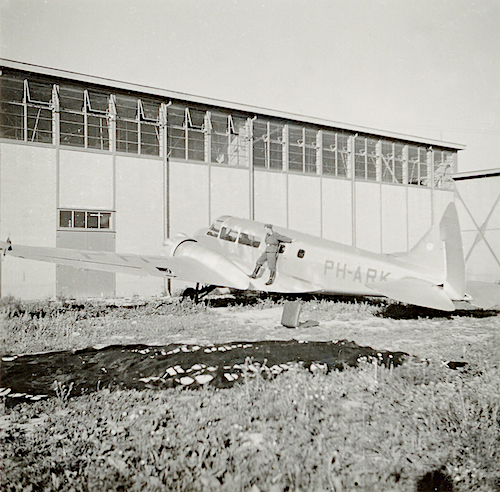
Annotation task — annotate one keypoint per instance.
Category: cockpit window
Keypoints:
(214, 229)
(228, 234)
(249, 240)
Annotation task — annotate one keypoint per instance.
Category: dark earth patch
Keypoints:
(31, 377)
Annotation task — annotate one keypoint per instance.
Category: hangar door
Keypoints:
(75, 283)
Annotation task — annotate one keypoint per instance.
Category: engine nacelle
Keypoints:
(171, 245)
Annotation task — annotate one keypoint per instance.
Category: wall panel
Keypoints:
(229, 192)
(478, 205)
(419, 213)
(85, 180)
(139, 219)
(368, 235)
(337, 210)
(394, 214)
(189, 197)
(28, 206)
(304, 204)
(270, 197)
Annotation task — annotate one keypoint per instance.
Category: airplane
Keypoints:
(431, 274)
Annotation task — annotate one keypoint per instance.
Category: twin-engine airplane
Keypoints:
(431, 274)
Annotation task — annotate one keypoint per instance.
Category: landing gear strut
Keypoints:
(198, 293)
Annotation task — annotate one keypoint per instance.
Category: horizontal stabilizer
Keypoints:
(416, 291)
(484, 295)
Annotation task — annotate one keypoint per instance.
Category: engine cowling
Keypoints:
(171, 245)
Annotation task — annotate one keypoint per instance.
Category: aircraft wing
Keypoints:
(194, 263)
(415, 291)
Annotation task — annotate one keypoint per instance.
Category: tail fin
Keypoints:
(455, 264)
(440, 252)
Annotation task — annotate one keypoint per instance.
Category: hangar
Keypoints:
(93, 163)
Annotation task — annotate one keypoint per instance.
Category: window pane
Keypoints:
(126, 107)
(92, 220)
(72, 129)
(11, 120)
(39, 125)
(105, 221)
(196, 145)
(11, 109)
(79, 219)
(40, 91)
(71, 98)
(98, 132)
(150, 144)
(98, 101)
(126, 136)
(65, 218)
(177, 143)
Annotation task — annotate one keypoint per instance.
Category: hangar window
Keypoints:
(365, 158)
(176, 136)
(443, 168)
(12, 108)
(186, 133)
(137, 126)
(302, 152)
(417, 165)
(83, 118)
(335, 153)
(249, 240)
(82, 219)
(268, 144)
(393, 162)
(229, 139)
(26, 109)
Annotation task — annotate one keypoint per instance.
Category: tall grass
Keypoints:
(368, 428)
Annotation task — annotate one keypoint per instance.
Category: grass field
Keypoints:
(418, 427)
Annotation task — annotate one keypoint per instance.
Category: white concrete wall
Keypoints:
(304, 204)
(368, 216)
(270, 193)
(229, 192)
(139, 219)
(419, 213)
(189, 197)
(394, 219)
(337, 210)
(28, 216)
(478, 205)
(85, 180)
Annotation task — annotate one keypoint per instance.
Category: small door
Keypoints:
(76, 283)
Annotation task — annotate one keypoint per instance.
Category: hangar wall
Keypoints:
(129, 170)
(478, 205)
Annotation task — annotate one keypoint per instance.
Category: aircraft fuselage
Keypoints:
(308, 264)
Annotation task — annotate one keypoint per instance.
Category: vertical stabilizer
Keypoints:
(455, 264)
(440, 252)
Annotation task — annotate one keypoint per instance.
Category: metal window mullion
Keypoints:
(56, 118)
(25, 109)
(268, 146)
(85, 119)
(139, 124)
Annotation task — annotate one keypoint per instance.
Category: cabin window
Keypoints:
(249, 240)
(301, 253)
(228, 234)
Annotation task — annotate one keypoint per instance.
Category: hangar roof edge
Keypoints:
(483, 173)
(41, 70)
